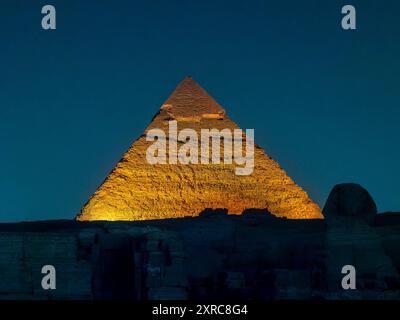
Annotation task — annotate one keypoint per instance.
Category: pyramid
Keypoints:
(138, 190)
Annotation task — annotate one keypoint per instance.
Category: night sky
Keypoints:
(324, 102)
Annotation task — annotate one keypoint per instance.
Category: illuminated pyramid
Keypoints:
(138, 190)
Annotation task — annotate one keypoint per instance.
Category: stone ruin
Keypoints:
(212, 256)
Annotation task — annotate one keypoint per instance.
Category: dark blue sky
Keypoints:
(324, 102)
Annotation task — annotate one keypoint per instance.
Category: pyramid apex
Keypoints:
(188, 80)
(190, 100)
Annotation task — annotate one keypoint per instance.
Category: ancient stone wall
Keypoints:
(212, 257)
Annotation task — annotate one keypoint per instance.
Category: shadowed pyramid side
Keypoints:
(137, 190)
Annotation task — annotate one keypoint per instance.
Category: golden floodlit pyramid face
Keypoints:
(139, 190)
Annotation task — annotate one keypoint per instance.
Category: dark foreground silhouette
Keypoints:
(213, 256)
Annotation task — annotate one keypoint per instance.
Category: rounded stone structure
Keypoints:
(350, 200)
